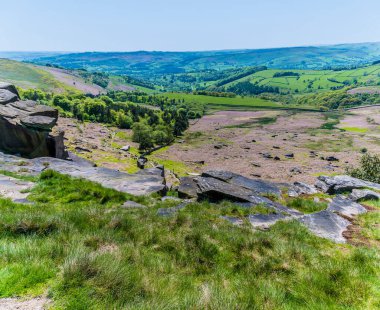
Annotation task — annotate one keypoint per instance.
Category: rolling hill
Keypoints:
(145, 64)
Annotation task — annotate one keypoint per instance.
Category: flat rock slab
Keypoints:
(258, 186)
(359, 195)
(300, 188)
(134, 184)
(341, 204)
(14, 189)
(342, 183)
(264, 221)
(132, 205)
(327, 225)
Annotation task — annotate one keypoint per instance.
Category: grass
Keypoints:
(311, 81)
(214, 104)
(306, 205)
(87, 253)
(355, 129)
(261, 121)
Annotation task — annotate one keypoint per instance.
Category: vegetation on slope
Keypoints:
(77, 244)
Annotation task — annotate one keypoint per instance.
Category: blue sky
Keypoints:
(179, 25)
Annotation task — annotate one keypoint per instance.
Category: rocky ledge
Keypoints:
(144, 182)
(25, 126)
(330, 223)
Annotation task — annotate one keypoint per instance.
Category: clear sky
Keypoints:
(178, 25)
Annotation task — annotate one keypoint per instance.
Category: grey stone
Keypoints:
(9, 87)
(132, 205)
(347, 207)
(257, 186)
(14, 189)
(126, 148)
(25, 125)
(327, 225)
(135, 184)
(341, 183)
(7, 97)
(264, 221)
(300, 188)
(188, 188)
(359, 195)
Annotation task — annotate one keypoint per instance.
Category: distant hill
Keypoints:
(144, 64)
(47, 78)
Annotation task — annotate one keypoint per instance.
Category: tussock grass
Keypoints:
(90, 254)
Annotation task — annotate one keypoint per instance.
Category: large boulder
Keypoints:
(25, 126)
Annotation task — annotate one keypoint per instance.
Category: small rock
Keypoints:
(132, 205)
(126, 148)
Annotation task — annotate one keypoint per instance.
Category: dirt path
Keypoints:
(20, 304)
(74, 81)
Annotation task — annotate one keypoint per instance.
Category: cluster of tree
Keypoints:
(376, 62)
(98, 78)
(154, 120)
(248, 89)
(137, 82)
(214, 94)
(285, 73)
(243, 73)
(338, 100)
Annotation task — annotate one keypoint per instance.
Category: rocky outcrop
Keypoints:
(249, 193)
(143, 183)
(342, 183)
(25, 126)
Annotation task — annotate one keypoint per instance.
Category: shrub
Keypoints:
(369, 169)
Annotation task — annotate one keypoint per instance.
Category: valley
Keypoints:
(202, 180)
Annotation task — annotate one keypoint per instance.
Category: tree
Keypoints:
(143, 134)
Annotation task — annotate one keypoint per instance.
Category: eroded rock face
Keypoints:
(25, 126)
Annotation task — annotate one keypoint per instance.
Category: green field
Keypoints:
(27, 76)
(234, 104)
(315, 80)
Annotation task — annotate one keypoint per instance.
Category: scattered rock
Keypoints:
(132, 205)
(359, 195)
(264, 221)
(296, 170)
(277, 158)
(14, 189)
(188, 188)
(300, 188)
(342, 183)
(125, 148)
(141, 162)
(276, 147)
(267, 155)
(290, 155)
(327, 225)
(347, 207)
(331, 158)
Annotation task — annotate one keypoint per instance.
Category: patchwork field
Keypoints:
(314, 80)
